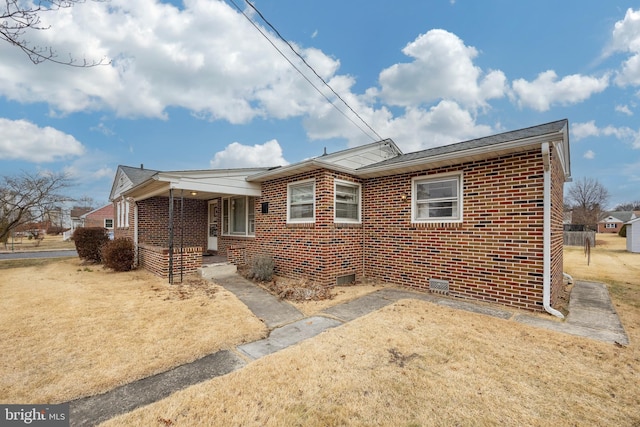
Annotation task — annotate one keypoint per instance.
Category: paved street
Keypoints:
(38, 254)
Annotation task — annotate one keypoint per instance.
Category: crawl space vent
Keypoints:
(439, 286)
(346, 280)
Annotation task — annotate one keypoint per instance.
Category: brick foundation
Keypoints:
(156, 260)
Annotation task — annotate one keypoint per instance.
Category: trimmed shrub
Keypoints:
(118, 254)
(89, 242)
(623, 231)
(262, 268)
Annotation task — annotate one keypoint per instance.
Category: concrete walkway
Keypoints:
(591, 316)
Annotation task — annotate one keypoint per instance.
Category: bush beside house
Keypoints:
(89, 242)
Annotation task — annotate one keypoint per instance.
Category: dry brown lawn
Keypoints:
(414, 363)
(46, 244)
(70, 330)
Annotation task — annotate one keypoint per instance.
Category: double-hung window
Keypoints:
(347, 201)
(122, 213)
(301, 201)
(238, 216)
(437, 198)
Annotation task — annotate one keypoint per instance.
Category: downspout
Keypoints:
(135, 233)
(171, 236)
(546, 272)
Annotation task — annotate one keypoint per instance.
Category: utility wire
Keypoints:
(309, 66)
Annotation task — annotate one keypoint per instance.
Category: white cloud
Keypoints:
(442, 67)
(626, 134)
(589, 154)
(546, 90)
(206, 58)
(23, 140)
(416, 129)
(624, 109)
(103, 129)
(583, 130)
(236, 155)
(626, 38)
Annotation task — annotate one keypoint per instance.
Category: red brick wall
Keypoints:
(153, 220)
(557, 214)
(321, 251)
(96, 219)
(156, 260)
(494, 255)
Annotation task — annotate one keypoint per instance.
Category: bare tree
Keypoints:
(85, 201)
(588, 199)
(630, 206)
(28, 198)
(18, 16)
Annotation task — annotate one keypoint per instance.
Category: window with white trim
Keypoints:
(610, 225)
(301, 199)
(437, 198)
(238, 216)
(108, 223)
(122, 213)
(347, 201)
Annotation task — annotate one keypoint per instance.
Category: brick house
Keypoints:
(480, 219)
(100, 217)
(614, 221)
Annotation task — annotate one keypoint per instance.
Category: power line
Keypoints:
(308, 66)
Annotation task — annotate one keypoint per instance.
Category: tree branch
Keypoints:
(16, 19)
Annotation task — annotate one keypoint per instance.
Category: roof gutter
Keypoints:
(455, 156)
(307, 165)
(546, 281)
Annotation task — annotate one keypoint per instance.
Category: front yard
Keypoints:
(71, 330)
(415, 363)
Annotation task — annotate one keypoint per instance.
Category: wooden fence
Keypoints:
(577, 238)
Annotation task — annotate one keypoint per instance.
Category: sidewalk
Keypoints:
(591, 315)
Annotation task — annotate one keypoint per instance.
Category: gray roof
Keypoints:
(137, 175)
(624, 216)
(530, 132)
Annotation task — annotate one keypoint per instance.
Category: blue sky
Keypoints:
(193, 85)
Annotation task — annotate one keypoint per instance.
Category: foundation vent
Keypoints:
(439, 286)
(349, 279)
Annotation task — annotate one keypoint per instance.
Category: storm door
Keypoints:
(213, 226)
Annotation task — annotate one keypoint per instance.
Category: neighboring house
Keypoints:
(480, 219)
(614, 221)
(101, 217)
(633, 235)
(76, 217)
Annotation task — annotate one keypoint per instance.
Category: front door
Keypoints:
(213, 226)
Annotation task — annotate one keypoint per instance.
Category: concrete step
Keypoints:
(217, 270)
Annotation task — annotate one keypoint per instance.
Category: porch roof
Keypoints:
(199, 184)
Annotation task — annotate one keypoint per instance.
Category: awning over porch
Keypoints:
(204, 184)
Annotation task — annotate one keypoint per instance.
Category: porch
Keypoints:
(179, 218)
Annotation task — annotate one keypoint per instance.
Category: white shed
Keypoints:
(633, 235)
